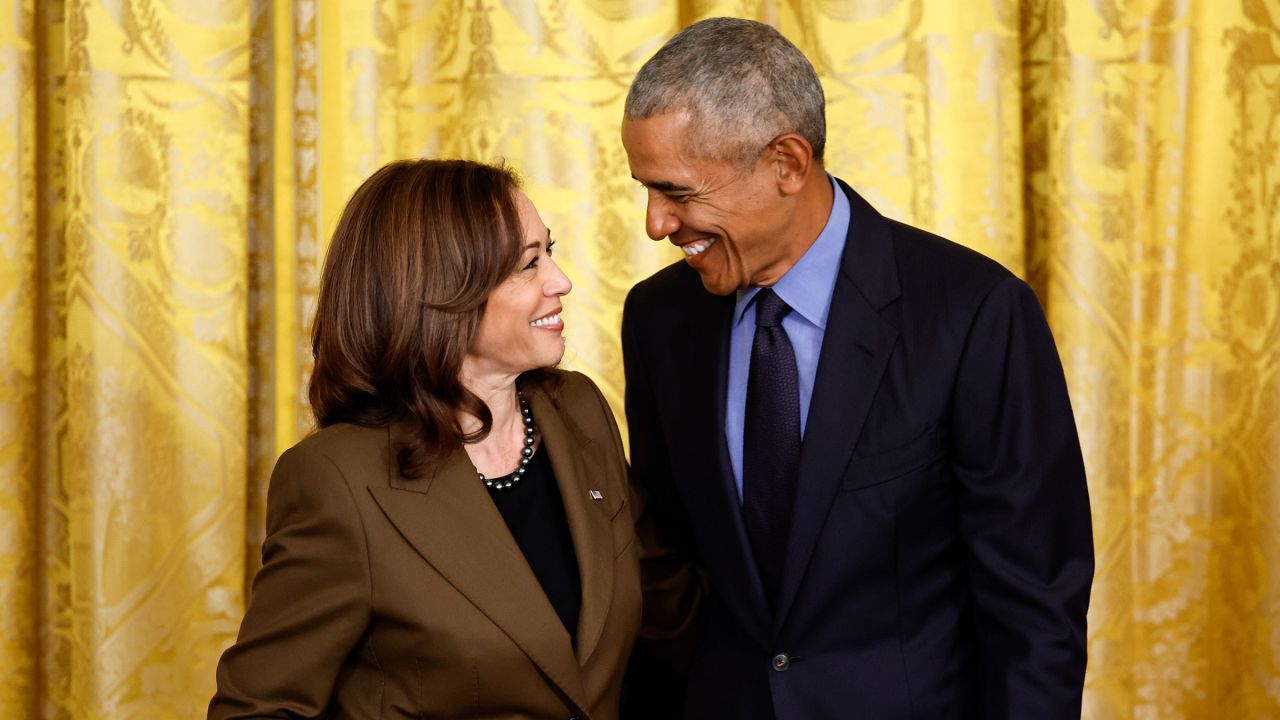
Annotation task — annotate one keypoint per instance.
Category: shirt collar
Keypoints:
(807, 287)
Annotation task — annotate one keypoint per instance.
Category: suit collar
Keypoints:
(449, 519)
(855, 351)
(868, 262)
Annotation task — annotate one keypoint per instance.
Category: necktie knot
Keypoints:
(770, 309)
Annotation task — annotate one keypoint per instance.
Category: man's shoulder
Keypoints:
(920, 258)
(669, 308)
(676, 281)
(937, 274)
(917, 250)
(942, 283)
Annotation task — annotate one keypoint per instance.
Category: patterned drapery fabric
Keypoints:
(170, 170)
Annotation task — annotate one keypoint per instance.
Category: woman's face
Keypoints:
(521, 328)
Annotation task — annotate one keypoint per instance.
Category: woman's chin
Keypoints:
(545, 357)
(554, 358)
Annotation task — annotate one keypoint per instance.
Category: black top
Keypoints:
(535, 515)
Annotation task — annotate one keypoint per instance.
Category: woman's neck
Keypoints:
(498, 453)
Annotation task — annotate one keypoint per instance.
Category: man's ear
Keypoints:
(792, 158)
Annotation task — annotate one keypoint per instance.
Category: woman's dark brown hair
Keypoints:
(418, 249)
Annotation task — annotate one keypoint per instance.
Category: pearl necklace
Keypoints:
(526, 452)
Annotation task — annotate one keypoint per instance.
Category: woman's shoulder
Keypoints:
(576, 382)
(351, 450)
(581, 400)
(577, 393)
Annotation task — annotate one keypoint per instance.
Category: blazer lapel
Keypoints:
(855, 351)
(711, 494)
(451, 522)
(576, 462)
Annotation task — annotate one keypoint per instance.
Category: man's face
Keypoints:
(729, 221)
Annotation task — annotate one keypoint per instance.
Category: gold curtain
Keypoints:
(169, 172)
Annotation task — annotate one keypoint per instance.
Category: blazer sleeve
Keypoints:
(310, 601)
(1023, 509)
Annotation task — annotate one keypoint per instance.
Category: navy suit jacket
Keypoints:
(941, 549)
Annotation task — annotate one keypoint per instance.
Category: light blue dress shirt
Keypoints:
(807, 288)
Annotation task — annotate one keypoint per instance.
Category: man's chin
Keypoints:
(716, 284)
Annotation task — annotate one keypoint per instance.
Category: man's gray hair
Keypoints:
(742, 83)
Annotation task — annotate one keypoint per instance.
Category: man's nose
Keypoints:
(660, 219)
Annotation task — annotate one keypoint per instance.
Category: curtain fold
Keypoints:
(1155, 225)
(170, 172)
(20, 405)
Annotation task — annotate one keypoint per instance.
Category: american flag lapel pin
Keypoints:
(596, 495)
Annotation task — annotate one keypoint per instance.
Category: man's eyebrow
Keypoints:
(663, 186)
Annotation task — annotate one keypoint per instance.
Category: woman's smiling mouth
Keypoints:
(547, 321)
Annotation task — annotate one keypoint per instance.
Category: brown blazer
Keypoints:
(383, 597)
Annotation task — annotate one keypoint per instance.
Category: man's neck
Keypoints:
(811, 212)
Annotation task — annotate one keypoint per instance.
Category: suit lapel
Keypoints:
(711, 493)
(451, 522)
(577, 462)
(855, 351)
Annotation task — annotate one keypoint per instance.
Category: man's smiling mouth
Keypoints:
(697, 248)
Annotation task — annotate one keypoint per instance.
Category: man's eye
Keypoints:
(532, 263)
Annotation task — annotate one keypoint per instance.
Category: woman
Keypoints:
(455, 541)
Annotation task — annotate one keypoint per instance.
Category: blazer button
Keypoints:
(781, 662)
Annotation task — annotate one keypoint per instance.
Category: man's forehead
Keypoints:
(656, 134)
(659, 157)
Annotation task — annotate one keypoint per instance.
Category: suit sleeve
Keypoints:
(310, 601)
(1024, 510)
(672, 586)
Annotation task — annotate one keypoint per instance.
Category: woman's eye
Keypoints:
(534, 262)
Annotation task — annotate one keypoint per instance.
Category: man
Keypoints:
(857, 431)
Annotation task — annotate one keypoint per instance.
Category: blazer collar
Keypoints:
(450, 520)
(576, 460)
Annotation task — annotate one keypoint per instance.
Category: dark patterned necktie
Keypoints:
(770, 440)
